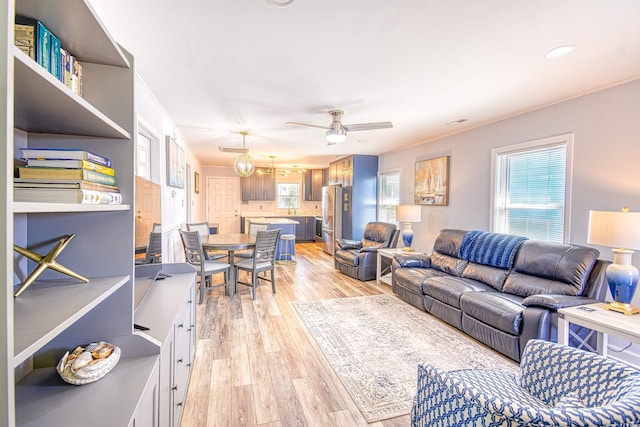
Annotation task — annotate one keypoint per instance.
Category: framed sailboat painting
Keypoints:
(432, 182)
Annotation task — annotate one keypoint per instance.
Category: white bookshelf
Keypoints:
(57, 313)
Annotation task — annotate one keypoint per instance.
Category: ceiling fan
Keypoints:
(337, 132)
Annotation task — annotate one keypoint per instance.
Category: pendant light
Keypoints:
(244, 165)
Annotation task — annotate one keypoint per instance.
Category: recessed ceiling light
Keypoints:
(362, 141)
(561, 51)
(281, 3)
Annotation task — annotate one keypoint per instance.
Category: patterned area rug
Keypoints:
(375, 343)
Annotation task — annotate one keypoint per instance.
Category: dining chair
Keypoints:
(206, 268)
(203, 228)
(253, 229)
(262, 261)
(153, 254)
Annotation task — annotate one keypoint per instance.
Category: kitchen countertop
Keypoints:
(258, 215)
(272, 220)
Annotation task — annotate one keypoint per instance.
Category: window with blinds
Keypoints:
(532, 182)
(389, 196)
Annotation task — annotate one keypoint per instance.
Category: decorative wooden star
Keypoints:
(46, 261)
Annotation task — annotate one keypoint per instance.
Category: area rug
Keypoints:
(375, 343)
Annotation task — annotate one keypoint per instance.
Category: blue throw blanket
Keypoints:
(495, 249)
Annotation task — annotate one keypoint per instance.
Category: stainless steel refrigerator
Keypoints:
(331, 216)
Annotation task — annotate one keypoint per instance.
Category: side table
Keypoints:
(597, 318)
(384, 274)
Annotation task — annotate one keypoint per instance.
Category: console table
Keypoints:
(597, 318)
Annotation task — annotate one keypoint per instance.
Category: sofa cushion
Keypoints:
(448, 242)
(550, 268)
(449, 264)
(495, 249)
(499, 310)
(449, 289)
(492, 276)
(413, 278)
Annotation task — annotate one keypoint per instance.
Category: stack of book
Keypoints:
(35, 39)
(65, 175)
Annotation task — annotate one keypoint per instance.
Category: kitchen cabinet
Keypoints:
(168, 310)
(312, 183)
(259, 186)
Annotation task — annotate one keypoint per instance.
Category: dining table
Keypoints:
(229, 242)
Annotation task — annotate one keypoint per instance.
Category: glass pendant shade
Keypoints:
(244, 164)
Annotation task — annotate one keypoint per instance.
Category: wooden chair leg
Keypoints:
(201, 289)
(254, 280)
(273, 280)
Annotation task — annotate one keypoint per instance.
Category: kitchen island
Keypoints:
(304, 227)
(286, 226)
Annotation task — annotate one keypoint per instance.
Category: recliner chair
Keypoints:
(358, 259)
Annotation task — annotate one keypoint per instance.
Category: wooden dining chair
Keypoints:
(203, 228)
(206, 268)
(262, 261)
(253, 230)
(153, 252)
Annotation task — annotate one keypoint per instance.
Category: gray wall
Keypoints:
(606, 166)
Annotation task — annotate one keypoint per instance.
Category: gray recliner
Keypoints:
(358, 258)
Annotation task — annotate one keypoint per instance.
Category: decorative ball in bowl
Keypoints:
(87, 364)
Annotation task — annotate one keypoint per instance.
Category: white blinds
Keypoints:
(530, 192)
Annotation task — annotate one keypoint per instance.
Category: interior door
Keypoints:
(223, 203)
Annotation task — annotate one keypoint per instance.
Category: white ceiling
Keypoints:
(221, 67)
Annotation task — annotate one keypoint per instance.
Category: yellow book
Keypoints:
(71, 164)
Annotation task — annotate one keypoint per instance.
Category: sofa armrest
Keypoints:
(373, 249)
(412, 260)
(554, 302)
(347, 244)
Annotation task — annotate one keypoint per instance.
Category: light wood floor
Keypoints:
(255, 363)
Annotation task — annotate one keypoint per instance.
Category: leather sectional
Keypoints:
(502, 290)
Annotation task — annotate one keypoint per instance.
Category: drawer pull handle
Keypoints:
(179, 360)
(174, 388)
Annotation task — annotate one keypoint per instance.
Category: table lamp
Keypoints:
(408, 214)
(619, 230)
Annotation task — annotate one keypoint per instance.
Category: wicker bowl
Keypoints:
(92, 371)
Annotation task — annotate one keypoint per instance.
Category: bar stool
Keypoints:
(288, 250)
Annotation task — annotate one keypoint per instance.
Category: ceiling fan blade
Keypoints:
(367, 126)
(306, 124)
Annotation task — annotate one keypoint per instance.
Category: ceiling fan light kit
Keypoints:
(337, 132)
(244, 164)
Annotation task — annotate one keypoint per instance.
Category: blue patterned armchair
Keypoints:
(557, 386)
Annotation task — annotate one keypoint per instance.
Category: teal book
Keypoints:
(54, 57)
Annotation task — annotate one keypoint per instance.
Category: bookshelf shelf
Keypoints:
(77, 26)
(47, 308)
(44, 104)
(30, 207)
(58, 402)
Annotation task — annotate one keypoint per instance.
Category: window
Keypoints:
(389, 197)
(532, 182)
(288, 195)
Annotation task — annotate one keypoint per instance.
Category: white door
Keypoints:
(223, 203)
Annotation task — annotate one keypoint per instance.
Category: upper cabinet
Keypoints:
(259, 186)
(57, 313)
(312, 183)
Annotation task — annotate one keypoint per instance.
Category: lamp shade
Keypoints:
(614, 229)
(409, 213)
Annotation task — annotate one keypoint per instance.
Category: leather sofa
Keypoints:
(358, 258)
(502, 290)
